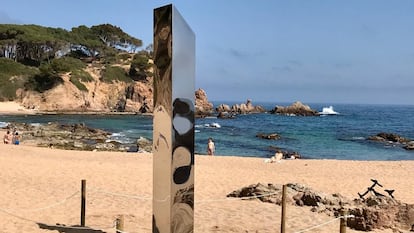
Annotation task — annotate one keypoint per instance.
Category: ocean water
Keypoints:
(340, 136)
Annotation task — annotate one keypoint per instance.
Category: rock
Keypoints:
(375, 212)
(144, 144)
(389, 137)
(244, 108)
(296, 109)
(226, 115)
(202, 106)
(272, 136)
(409, 146)
(223, 108)
(393, 139)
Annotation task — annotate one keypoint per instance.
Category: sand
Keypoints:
(41, 185)
(14, 108)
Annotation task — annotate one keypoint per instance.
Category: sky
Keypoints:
(311, 51)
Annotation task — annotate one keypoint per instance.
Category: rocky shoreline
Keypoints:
(74, 137)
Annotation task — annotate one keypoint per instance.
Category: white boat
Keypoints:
(328, 111)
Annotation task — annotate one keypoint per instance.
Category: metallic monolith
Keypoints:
(173, 133)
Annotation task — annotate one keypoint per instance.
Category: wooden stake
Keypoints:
(120, 224)
(282, 224)
(83, 202)
(342, 226)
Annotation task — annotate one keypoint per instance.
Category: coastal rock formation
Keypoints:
(296, 109)
(224, 110)
(374, 212)
(409, 146)
(99, 96)
(202, 106)
(74, 137)
(394, 139)
(389, 137)
(272, 136)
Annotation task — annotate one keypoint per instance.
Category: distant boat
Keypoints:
(328, 111)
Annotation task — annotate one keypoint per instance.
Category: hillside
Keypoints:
(85, 69)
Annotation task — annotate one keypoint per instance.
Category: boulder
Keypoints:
(144, 144)
(202, 106)
(271, 136)
(243, 108)
(409, 146)
(374, 212)
(388, 137)
(296, 109)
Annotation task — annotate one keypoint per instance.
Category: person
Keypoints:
(16, 139)
(210, 147)
(6, 138)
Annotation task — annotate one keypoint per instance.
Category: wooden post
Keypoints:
(120, 224)
(282, 224)
(83, 202)
(342, 226)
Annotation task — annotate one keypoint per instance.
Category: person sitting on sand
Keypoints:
(6, 138)
(16, 139)
(210, 147)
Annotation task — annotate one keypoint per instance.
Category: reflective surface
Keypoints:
(173, 134)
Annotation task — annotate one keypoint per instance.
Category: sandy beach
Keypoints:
(15, 108)
(42, 185)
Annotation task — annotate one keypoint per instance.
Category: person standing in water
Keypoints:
(210, 147)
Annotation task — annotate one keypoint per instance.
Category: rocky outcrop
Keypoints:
(296, 109)
(271, 136)
(374, 212)
(409, 146)
(202, 106)
(74, 137)
(388, 137)
(394, 139)
(225, 111)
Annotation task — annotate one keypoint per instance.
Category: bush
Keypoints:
(80, 75)
(43, 82)
(78, 84)
(13, 75)
(67, 64)
(115, 73)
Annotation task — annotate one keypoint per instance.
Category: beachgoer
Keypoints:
(16, 139)
(6, 138)
(210, 147)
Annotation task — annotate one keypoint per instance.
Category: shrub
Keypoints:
(13, 75)
(77, 83)
(115, 73)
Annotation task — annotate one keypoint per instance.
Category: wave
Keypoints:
(121, 138)
(328, 111)
(3, 124)
(209, 125)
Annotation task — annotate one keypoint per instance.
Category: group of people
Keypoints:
(11, 138)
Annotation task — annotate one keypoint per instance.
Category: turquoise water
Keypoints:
(340, 136)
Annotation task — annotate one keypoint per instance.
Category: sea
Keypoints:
(342, 136)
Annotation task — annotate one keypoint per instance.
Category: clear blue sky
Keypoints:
(275, 51)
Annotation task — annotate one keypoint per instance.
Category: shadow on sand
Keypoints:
(69, 229)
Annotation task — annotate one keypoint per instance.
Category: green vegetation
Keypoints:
(43, 82)
(13, 76)
(78, 84)
(115, 73)
(33, 57)
(139, 67)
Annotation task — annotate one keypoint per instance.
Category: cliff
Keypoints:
(99, 96)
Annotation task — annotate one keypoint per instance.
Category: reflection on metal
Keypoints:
(173, 133)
